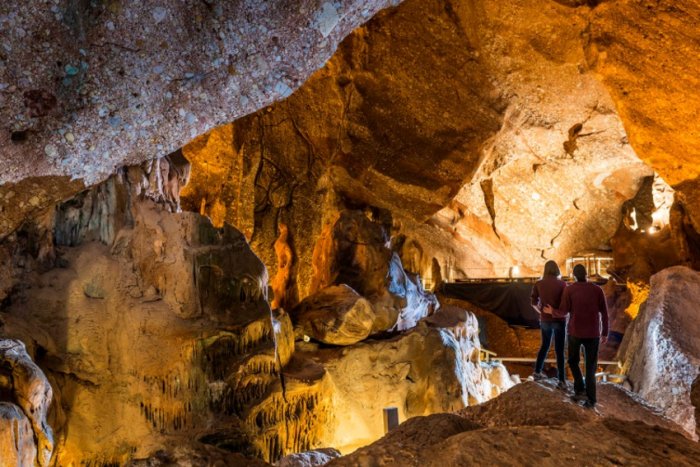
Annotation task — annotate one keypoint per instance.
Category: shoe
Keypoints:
(538, 376)
(562, 385)
(579, 396)
(589, 405)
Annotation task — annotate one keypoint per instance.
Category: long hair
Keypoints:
(551, 269)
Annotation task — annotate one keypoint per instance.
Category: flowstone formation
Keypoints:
(155, 331)
(25, 396)
(661, 351)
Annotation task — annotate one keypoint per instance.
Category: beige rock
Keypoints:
(432, 368)
(195, 359)
(25, 384)
(660, 351)
(335, 315)
(17, 446)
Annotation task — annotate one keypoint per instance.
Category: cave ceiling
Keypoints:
(517, 128)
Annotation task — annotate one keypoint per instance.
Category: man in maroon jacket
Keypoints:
(585, 303)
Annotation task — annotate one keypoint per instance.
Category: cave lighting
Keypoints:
(653, 230)
(515, 271)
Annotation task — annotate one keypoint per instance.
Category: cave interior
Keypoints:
(307, 233)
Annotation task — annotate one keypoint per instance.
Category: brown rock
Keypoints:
(432, 368)
(335, 315)
(627, 46)
(537, 416)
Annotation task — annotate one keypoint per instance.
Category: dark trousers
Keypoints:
(558, 329)
(590, 349)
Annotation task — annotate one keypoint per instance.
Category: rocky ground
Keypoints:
(535, 424)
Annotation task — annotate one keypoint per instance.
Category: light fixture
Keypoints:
(515, 271)
(652, 230)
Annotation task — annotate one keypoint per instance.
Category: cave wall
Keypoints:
(467, 138)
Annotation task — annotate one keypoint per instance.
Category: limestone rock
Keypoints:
(17, 445)
(513, 115)
(354, 250)
(198, 358)
(536, 415)
(77, 110)
(695, 399)
(314, 458)
(26, 434)
(335, 315)
(660, 351)
(434, 367)
(627, 46)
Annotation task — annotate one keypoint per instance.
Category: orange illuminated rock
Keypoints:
(335, 315)
(285, 256)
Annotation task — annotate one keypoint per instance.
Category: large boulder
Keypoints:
(661, 350)
(335, 315)
(354, 250)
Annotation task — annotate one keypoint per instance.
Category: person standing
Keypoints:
(585, 304)
(548, 291)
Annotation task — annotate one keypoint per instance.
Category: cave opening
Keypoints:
(317, 232)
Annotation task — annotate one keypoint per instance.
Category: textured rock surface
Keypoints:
(159, 322)
(429, 101)
(87, 86)
(544, 420)
(695, 399)
(25, 394)
(432, 368)
(335, 315)
(353, 249)
(644, 53)
(313, 458)
(661, 351)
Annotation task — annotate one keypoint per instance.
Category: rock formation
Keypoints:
(25, 396)
(541, 418)
(660, 351)
(89, 87)
(432, 368)
(155, 328)
(313, 458)
(503, 150)
(335, 315)
(152, 319)
(354, 250)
